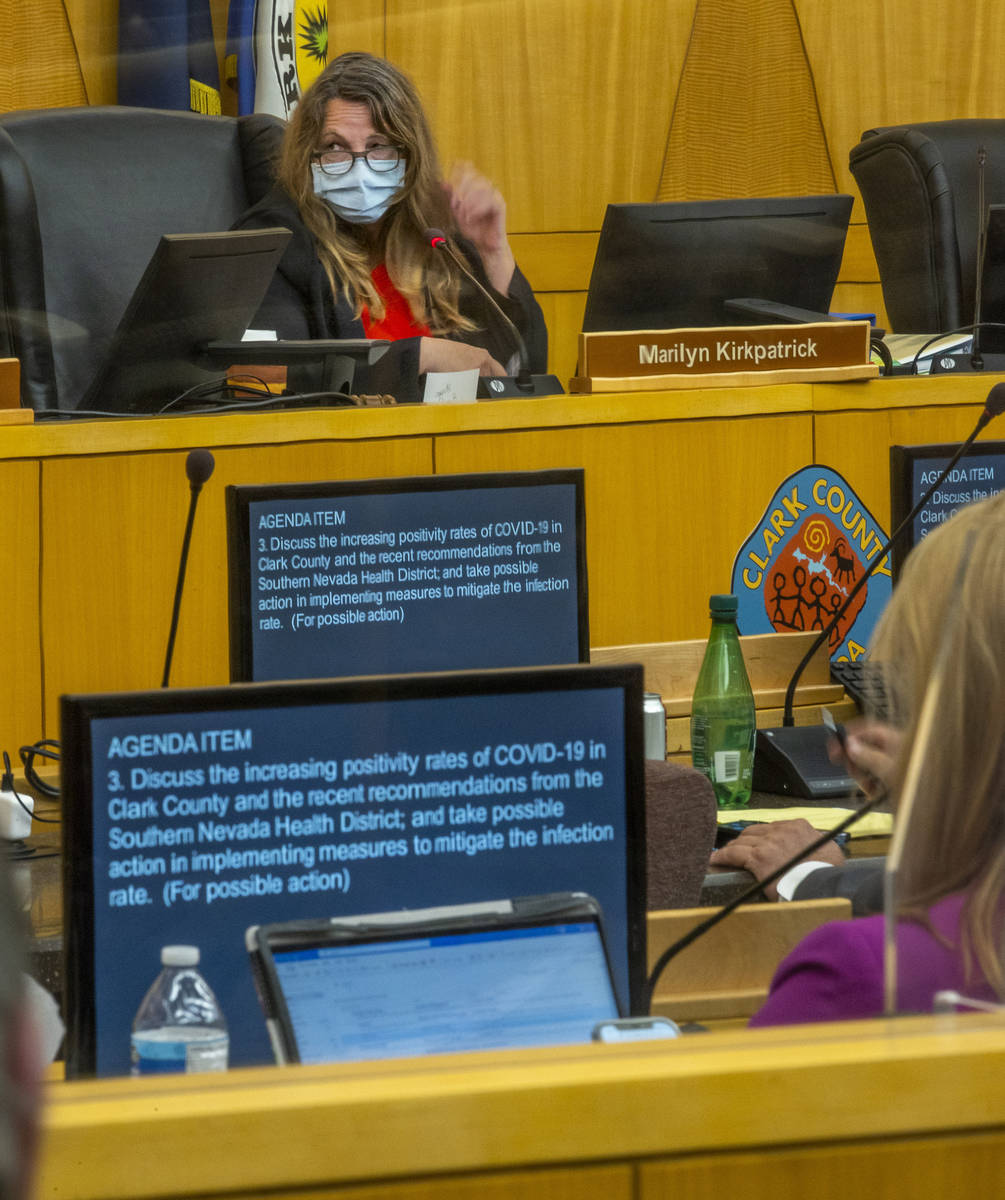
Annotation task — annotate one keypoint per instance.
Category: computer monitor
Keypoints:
(191, 815)
(992, 340)
(674, 265)
(913, 469)
(432, 573)
(197, 288)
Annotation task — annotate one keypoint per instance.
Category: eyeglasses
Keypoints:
(378, 158)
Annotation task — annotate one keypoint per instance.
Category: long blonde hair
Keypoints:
(16, 1106)
(956, 840)
(427, 279)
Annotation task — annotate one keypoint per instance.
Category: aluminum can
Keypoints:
(654, 726)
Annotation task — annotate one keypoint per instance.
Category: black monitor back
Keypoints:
(673, 265)
(198, 288)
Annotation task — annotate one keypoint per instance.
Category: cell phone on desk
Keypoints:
(635, 1029)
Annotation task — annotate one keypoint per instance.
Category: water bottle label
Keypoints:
(158, 1058)
(726, 766)
(207, 1056)
(156, 1052)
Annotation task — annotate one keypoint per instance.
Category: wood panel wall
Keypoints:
(572, 104)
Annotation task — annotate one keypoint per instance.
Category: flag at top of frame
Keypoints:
(275, 50)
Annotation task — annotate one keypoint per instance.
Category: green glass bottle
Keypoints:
(723, 722)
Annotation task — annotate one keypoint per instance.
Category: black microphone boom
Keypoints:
(198, 467)
(793, 760)
(500, 387)
(976, 360)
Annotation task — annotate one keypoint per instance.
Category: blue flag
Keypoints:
(239, 61)
(275, 49)
(167, 56)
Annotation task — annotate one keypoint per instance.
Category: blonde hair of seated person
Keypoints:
(18, 1058)
(425, 277)
(956, 839)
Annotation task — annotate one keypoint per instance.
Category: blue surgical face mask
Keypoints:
(361, 195)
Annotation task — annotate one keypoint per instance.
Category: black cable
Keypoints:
(950, 333)
(46, 748)
(218, 385)
(7, 785)
(878, 346)
(229, 401)
(285, 402)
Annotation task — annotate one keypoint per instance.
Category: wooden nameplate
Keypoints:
(732, 356)
(11, 412)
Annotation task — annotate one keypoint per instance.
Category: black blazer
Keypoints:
(860, 880)
(300, 304)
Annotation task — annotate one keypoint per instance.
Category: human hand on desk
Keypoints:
(441, 354)
(761, 849)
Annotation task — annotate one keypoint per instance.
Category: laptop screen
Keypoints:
(489, 989)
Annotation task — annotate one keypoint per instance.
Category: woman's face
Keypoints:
(360, 189)
(347, 124)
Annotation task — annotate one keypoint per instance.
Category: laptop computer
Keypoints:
(532, 971)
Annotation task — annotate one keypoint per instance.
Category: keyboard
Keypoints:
(863, 681)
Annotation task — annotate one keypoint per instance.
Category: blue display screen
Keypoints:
(444, 573)
(203, 822)
(975, 477)
(439, 994)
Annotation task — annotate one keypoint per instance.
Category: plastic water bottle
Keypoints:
(723, 722)
(179, 1026)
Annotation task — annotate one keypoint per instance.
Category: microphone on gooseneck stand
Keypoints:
(198, 467)
(792, 760)
(976, 361)
(499, 387)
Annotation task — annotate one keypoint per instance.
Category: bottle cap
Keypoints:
(722, 606)
(180, 956)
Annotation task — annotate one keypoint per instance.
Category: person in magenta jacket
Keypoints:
(951, 884)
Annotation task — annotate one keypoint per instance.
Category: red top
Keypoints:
(397, 321)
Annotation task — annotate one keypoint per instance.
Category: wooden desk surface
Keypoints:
(914, 1107)
(47, 438)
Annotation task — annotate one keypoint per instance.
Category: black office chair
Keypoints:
(85, 195)
(920, 184)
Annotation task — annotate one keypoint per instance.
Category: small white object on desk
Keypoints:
(451, 387)
(15, 815)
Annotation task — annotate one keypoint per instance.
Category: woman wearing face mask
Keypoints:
(358, 183)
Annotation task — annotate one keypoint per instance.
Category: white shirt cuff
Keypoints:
(794, 876)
